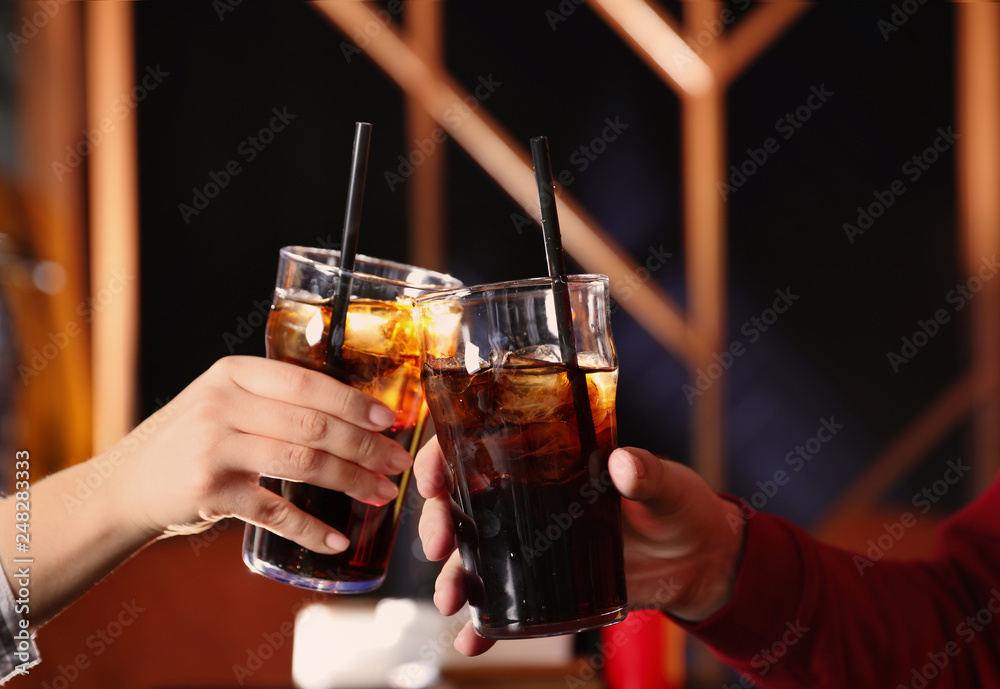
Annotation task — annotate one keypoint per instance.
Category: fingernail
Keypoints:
(381, 416)
(337, 542)
(627, 462)
(616, 457)
(386, 490)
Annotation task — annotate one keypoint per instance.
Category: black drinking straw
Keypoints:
(560, 292)
(348, 246)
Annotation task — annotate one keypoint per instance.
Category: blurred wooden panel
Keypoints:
(910, 446)
(703, 120)
(977, 151)
(54, 380)
(425, 192)
(114, 217)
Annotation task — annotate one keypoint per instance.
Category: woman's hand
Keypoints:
(199, 458)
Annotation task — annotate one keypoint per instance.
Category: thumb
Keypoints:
(664, 487)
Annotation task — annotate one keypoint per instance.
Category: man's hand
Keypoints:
(682, 541)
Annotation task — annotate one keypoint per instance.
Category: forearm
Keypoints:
(806, 614)
(79, 532)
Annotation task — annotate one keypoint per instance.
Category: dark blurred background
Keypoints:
(827, 356)
(846, 102)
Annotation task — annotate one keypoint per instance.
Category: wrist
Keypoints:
(121, 497)
(716, 566)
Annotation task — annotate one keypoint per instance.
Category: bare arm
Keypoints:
(198, 460)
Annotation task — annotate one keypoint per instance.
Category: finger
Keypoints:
(436, 529)
(449, 589)
(430, 470)
(308, 427)
(257, 455)
(641, 476)
(286, 382)
(266, 509)
(468, 643)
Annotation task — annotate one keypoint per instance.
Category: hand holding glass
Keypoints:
(380, 356)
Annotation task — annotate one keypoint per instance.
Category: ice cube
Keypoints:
(447, 375)
(498, 357)
(542, 352)
(382, 328)
(540, 452)
(447, 365)
(529, 390)
(601, 387)
(455, 398)
(440, 324)
(555, 451)
(292, 333)
(456, 366)
(592, 360)
(471, 359)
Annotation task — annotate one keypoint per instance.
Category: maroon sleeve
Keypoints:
(805, 614)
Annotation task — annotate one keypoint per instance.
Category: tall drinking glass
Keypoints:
(380, 356)
(538, 521)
